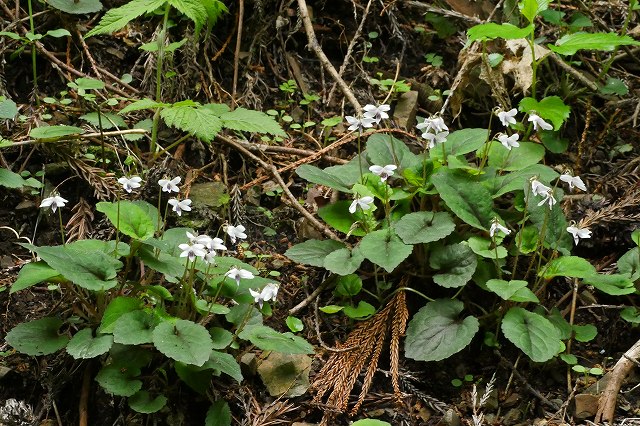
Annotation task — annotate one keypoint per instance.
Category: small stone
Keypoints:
(209, 194)
(405, 112)
(249, 364)
(512, 417)
(450, 418)
(586, 405)
(285, 374)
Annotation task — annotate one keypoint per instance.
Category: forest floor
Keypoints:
(267, 64)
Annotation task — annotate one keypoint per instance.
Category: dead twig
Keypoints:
(607, 403)
(315, 46)
(352, 44)
(236, 55)
(276, 175)
(440, 11)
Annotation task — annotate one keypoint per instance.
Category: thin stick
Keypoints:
(315, 46)
(294, 202)
(236, 55)
(352, 44)
(92, 61)
(82, 136)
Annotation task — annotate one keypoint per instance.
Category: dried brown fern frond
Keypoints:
(80, 223)
(367, 340)
(616, 211)
(102, 185)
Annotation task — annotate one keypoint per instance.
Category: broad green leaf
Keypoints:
(77, 7)
(550, 108)
(514, 290)
(614, 86)
(585, 333)
(331, 309)
(143, 402)
(294, 324)
(130, 218)
(197, 378)
(532, 8)
(348, 285)
(385, 149)
(226, 363)
(315, 175)
(142, 104)
(527, 154)
(490, 31)
(568, 266)
(550, 221)
(60, 32)
(109, 120)
(424, 227)
(571, 43)
(190, 117)
(267, 339)
(629, 264)
(89, 83)
(337, 216)
(614, 284)
(363, 310)
(84, 346)
(484, 247)
(385, 248)
(38, 337)
(466, 198)
(135, 327)
(117, 18)
(116, 308)
(54, 132)
(31, 274)
(533, 334)
(13, 36)
(631, 315)
(193, 9)
(313, 252)
(499, 185)
(183, 341)
(343, 261)
(92, 270)
(554, 142)
(10, 179)
(119, 379)
(370, 422)
(456, 264)
(348, 174)
(169, 265)
(248, 120)
(435, 332)
(461, 142)
(8, 108)
(219, 414)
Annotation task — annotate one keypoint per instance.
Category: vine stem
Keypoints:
(161, 39)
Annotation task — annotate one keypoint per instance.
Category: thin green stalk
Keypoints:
(160, 40)
(360, 155)
(117, 224)
(61, 226)
(32, 28)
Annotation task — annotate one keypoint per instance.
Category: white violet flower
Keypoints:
(54, 202)
(434, 138)
(236, 232)
(237, 274)
(509, 141)
(578, 233)
(376, 113)
(210, 257)
(435, 123)
(170, 185)
(269, 292)
(359, 124)
(573, 181)
(192, 251)
(507, 117)
(364, 203)
(215, 244)
(548, 198)
(538, 188)
(495, 226)
(129, 184)
(539, 122)
(384, 172)
(179, 206)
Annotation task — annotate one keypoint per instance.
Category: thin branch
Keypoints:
(315, 46)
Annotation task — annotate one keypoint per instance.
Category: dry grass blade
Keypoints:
(102, 186)
(79, 225)
(367, 340)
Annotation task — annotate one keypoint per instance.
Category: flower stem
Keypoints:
(61, 227)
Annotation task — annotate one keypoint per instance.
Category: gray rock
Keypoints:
(406, 109)
(285, 374)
